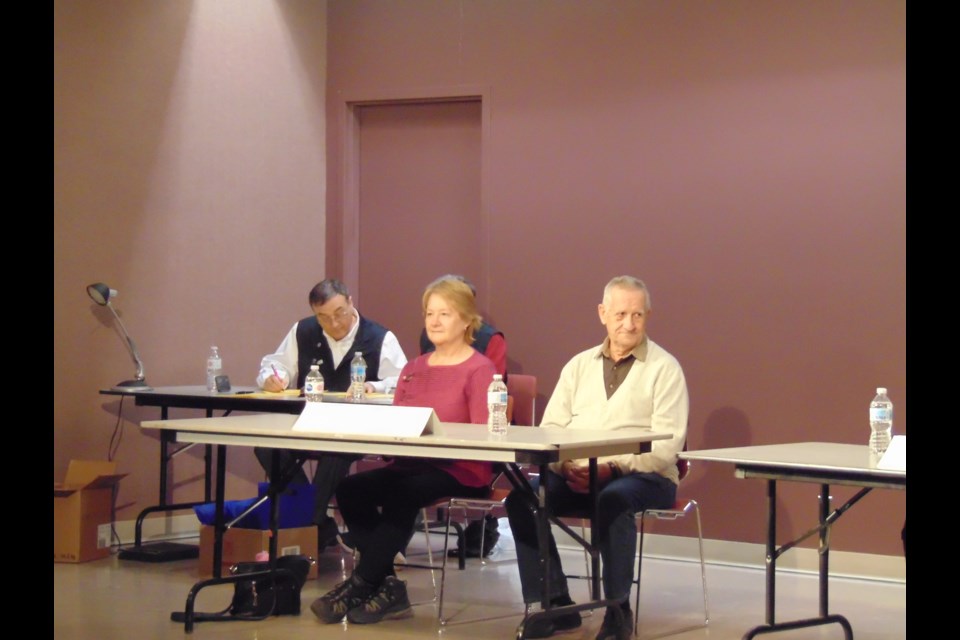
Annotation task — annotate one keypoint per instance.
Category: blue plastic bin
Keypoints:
(296, 509)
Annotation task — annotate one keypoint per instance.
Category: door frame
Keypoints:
(348, 104)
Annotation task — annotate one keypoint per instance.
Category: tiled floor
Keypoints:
(113, 599)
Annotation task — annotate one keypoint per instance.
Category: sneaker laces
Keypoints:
(385, 596)
(346, 595)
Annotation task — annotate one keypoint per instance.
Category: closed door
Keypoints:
(419, 206)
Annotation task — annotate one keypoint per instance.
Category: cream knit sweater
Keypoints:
(654, 394)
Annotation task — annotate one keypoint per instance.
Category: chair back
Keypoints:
(683, 465)
(523, 389)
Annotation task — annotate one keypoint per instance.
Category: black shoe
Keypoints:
(616, 627)
(327, 532)
(390, 602)
(350, 593)
(546, 627)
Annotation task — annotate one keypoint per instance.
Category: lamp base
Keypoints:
(132, 385)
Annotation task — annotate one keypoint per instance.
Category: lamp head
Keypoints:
(101, 293)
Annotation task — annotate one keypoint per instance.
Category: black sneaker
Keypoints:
(350, 593)
(616, 627)
(546, 627)
(390, 602)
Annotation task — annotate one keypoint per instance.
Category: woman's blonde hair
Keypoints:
(459, 296)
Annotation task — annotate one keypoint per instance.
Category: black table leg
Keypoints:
(826, 519)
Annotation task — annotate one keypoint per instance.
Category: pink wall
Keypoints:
(747, 159)
(189, 174)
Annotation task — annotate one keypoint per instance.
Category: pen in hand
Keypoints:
(278, 376)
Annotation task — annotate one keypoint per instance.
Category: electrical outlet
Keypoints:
(103, 536)
(293, 550)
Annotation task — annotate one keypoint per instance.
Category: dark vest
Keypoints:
(481, 338)
(313, 348)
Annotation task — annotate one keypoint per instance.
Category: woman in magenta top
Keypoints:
(380, 506)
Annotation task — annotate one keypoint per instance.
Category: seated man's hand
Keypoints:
(274, 384)
(577, 475)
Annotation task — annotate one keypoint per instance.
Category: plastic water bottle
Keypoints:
(497, 406)
(358, 377)
(214, 368)
(313, 385)
(881, 422)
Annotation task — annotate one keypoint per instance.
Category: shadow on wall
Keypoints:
(716, 485)
(724, 427)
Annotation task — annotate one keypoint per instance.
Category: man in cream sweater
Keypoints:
(627, 381)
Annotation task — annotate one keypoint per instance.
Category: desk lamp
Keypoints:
(101, 294)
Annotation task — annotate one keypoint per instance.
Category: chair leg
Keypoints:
(443, 570)
(703, 565)
(455, 527)
(586, 561)
(426, 536)
(703, 571)
(636, 607)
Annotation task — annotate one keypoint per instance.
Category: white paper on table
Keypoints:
(895, 457)
(366, 419)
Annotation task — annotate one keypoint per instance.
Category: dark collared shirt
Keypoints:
(614, 373)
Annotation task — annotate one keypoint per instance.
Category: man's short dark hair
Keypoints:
(327, 289)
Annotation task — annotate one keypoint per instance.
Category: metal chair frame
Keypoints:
(681, 508)
(523, 390)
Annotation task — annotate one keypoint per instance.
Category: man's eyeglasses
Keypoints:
(339, 316)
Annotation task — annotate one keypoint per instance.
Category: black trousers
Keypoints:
(331, 469)
(380, 509)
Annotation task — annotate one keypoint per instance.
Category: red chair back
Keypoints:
(683, 466)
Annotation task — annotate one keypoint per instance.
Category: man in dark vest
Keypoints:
(329, 338)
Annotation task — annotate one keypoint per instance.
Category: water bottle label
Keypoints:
(880, 414)
(493, 397)
(308, 388)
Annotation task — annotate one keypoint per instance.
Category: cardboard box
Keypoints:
(81, 503)
(243, 545)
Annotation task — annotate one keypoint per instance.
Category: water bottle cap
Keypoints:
(314, 367)
(881, 391)
(497, 376)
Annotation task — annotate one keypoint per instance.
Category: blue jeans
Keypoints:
(616, 533)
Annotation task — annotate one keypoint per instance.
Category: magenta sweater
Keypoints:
(457, 393)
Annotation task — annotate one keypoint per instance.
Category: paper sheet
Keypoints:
(366, 419)
(895, 457)
(286, 393)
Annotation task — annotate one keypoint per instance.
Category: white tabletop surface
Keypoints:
(449, 440)
(809, 456)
